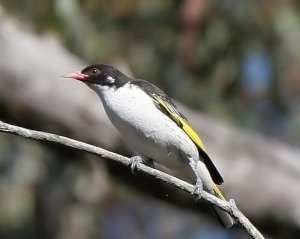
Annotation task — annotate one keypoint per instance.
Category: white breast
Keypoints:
(145, 127)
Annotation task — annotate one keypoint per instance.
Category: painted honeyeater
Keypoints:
(152, 124)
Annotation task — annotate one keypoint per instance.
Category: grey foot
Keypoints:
(134, 161)
(198, 189)
(232, 202)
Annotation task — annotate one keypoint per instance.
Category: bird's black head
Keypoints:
(102, 75)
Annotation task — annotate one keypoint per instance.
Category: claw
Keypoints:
(134, 161)
(198, 189)
(232, 202)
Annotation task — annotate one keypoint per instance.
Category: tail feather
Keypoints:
(226, 220)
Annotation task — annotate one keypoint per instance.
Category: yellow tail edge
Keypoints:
(218, 192)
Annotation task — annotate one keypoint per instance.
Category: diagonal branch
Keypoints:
(229, 207)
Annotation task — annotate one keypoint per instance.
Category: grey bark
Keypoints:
(229, 207)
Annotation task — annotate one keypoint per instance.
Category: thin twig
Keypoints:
(229, 207)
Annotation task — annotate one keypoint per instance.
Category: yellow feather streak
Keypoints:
(191, 133)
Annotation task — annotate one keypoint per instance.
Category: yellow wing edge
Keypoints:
(193, 136)
(185, 125)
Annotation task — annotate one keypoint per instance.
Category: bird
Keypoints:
(155, 128)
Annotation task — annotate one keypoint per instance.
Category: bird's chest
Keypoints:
(132, 112)
(145, 127)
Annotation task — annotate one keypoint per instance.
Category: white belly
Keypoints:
(147, 129)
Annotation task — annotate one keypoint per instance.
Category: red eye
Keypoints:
(94, 71)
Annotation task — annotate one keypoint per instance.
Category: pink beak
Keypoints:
(76, 75)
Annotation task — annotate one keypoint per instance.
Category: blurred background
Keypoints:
(235, 67)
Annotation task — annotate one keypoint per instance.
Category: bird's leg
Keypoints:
(198, 188)
(199, 184)
(135, 160)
